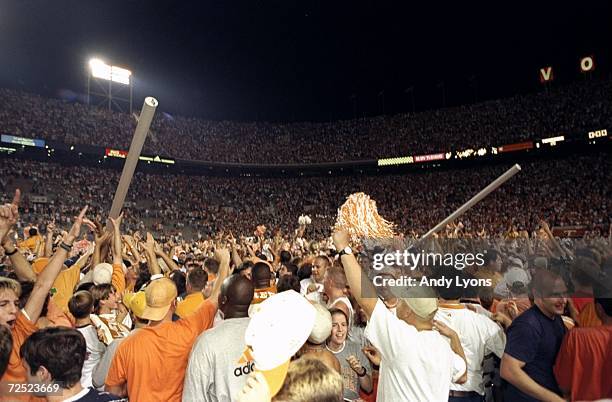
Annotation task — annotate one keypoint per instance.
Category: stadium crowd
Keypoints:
(568, 192)
(567, 110)
(104, 314)
(212, 288)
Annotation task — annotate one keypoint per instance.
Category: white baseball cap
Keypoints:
(322, 327)
(514, 275)
(276, 332)
(102, 273)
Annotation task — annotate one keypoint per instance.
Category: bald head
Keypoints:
(236, 296)
(261, 275)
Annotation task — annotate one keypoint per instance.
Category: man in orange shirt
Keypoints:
(584, 362)
(262, 280)
(196, 282)
(32, 242)
(150, 364)
(588, 315)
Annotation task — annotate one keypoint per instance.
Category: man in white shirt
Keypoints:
(219, 363)
(336, 289)
(418, 364)
(312, 287)
(81, 306)
(479, 336)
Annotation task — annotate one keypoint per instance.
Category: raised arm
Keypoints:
(45, 280)
(82, 261)
(129, 240)
(235, 256)
(118, 277)
(101, 238)
(22, 267)
(116, 223)
(9, 213)
(159, 252)
(358, 282)
(223, 257)
(234, 249)
(49, 239)
(149, 247)
(40, 247)
(552, 238)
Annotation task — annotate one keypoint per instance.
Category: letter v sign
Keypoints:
(546, 74)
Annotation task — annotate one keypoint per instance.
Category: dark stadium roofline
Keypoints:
(553, 147)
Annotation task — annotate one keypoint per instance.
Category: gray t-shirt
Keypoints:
(350, 379)
(218, 367)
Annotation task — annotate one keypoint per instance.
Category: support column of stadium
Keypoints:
(472, 201)
(140, 134)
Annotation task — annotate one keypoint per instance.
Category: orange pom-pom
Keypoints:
(359, 217)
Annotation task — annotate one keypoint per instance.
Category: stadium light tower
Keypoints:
(110, 83)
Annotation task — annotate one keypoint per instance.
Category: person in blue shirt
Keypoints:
(533, 341)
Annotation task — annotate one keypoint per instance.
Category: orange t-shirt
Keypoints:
(153, 360)
(15, 371)
(64, 286)
(118, 278)
(263, 294)
(31, 243)
(55, 317)
(190, 304)
(581, 299)
(584, 363)
(588, 317)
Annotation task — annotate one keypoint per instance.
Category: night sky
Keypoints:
(302, 60)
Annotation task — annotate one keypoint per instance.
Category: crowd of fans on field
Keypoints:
(89, 313)
(212, 289)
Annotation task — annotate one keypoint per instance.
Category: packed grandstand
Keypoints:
(566, 190)
(208, 255)
(575, 108)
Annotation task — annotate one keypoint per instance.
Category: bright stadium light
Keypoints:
(100, 69)
(109, 85)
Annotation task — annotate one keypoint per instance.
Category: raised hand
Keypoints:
(129, 241)
(341, 239)
(150, 243)
(75, 230)
(90, 224)
(117, 221)
(158, 249)
(222, 255)
(98, 231)
(9, 213)
(544, 225)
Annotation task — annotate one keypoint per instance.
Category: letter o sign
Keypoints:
(587, 64)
